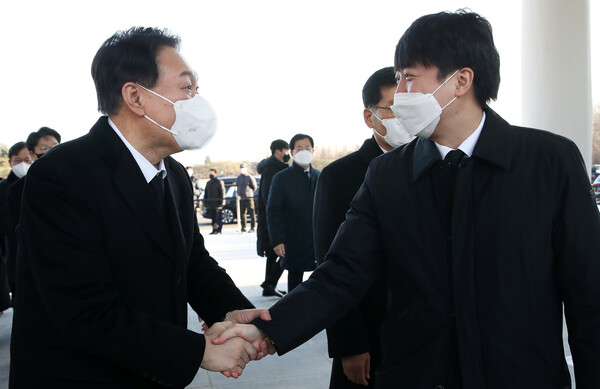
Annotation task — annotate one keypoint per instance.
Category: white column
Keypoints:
(556, 70)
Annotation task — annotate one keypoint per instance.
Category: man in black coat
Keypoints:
(19, 161)
(290, 209)
(105, 275)
(38, 143)
(267, 168)
(479, 262)
(354, 340)
(214, 199)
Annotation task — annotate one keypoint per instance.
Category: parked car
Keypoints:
(596, 185)
(229, 212)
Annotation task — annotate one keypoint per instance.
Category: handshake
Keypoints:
(231, 344)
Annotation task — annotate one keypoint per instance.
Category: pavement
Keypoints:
(308, 366)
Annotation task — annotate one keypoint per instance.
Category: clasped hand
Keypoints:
(231, 344)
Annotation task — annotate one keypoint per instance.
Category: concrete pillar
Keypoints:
(556, 70)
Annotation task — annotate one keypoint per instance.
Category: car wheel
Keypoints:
(227, 216)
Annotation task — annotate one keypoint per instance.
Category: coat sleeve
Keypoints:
(348, 336)
(252, 183)
(575, 236)
(353, 263)
(275, 217)
(222, 192)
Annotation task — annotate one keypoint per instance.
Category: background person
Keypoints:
(267, 168)
(290, 209)
(354, 340)
(246, 185)
(214, 199)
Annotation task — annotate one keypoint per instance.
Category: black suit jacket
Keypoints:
(104, 279)
(358, 331)
(519, 245)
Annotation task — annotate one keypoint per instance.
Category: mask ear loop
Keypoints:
(152, 120)
(441, 85)
(377, 132)
(164, 98)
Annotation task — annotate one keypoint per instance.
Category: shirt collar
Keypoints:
(467, 145)
(148, 169)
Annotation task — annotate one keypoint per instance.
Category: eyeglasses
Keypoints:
(386, 108)
(387, 112)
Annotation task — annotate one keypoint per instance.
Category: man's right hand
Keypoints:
(279, 250)
(357, 367)
(230, 356)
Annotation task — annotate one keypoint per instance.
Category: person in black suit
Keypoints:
(267, 168)
(290, 209)
(110, 251)
(214, 198)
(478, 261)
(19, 161)
(38, 143)
(354, 340)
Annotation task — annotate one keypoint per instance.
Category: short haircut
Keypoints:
(452, 41)
(278, 144)
(371, 92)
(16, 149)
(212, 170)
(128, 56)
(298, 137)
(34, 137)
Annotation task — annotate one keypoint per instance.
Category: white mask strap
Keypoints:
(441, 85)
(163, 127)
(164, 98)
(449, 103)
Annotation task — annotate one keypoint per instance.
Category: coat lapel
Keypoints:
(131, 185)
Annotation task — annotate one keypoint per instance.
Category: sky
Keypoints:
(270, 69)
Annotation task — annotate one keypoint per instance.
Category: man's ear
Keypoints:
(465, 78)
(133, 99)
(368, 116)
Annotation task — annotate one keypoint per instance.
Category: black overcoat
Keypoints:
(522, 242)
(267, 168)
(289, 216)
(104, 278)
(358, 331)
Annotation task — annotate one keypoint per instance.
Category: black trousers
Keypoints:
(273, 271)
(294, 279)
(217, 220)
(247, 206)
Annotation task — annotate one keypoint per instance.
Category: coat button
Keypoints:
(439, 387)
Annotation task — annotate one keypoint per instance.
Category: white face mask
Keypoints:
(195, 121)
(396, 135)
(243, 170)
(418, 113)
(20, 169)
(303, 157)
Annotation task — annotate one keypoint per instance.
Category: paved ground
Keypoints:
(306, 367)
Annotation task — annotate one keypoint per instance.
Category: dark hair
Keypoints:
(371, 92)
(128, 56)
(16, 149)
(298, 137)
(212, 170)
(34, 137)
(451, 41)
(278, 144)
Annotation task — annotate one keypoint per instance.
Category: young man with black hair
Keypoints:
(290, 209)
(104, 276)
(354, 339)
(478, 261)
(267, 168)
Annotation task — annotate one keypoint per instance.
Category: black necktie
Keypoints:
(454, 157)
(307, 173)
(158, 188)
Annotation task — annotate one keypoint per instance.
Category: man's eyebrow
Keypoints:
(189, 73)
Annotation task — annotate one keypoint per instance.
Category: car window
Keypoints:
(231, 191)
